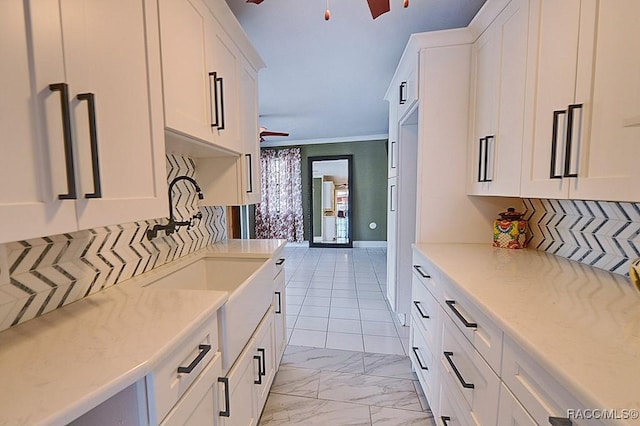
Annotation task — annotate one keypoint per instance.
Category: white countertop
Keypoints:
(60, 365)
(580, 323)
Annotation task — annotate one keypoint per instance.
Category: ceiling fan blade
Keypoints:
(255, 1)
(269, 133)
(378, 7)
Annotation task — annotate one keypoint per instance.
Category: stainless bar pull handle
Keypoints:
(204, 349)
(63, 88)
(461, 379)
(569, 142)
(93, 138)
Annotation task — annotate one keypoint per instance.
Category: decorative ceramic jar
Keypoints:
(510, 230)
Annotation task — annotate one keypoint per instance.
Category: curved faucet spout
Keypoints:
(172, 226)
(171, 185)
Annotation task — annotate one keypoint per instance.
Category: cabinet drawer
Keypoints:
(483, 334)
(452, 410)
(194, 355)
(425, 365)
(511, 412)
(427, 274)
(278, 261)
(425, 313)
(467, 374)
(536, 389)
(199, 404)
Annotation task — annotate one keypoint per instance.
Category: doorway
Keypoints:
(331, 221)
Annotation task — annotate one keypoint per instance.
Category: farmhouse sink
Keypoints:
(249, 283)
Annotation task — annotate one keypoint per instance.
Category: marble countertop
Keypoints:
(580, 323)
(58, 366)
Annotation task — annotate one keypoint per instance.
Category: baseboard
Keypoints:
(356, 244)
(370, 244)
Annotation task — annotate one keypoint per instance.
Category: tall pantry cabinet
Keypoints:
(427, 196)
(82, 133)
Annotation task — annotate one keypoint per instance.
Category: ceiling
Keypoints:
(325, 80)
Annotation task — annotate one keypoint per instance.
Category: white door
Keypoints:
(608, 168)
(32, 161)
(185, 29)
(556, 51)
(111, 53)
(238, 391)
(265, 349)
(223, 60)
(248, 94)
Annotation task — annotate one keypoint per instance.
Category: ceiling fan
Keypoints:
(377, 7)
(265, 133)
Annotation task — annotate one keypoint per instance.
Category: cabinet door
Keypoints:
(32, 162)
(499, 58)
(224, 61)
(280, 316)
(608, 168)
(559, 46)
(392, 243)
(185, 28)
(239, 391)
(392, 147)
(112, 52)
(248, 96)
(265, 350)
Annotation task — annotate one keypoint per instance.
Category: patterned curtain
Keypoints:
(279, 214)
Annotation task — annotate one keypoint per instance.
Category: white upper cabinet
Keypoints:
(200, 69)
(248, 96)
(82, 119)
(583, 138)
(498, 97)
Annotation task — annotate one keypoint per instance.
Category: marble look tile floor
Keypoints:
(346, 361)
(318, 386)
(335, 299)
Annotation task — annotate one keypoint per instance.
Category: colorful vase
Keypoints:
(510, 230)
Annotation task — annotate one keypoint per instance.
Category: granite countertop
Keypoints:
(580, 323)
(58, 366)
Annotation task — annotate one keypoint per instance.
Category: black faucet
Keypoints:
(173, 225)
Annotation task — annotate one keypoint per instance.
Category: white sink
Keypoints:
(249, 282)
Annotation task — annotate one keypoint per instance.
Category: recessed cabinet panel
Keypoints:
(31, 115)
(499, 61)
(185, 28)
(130, 165)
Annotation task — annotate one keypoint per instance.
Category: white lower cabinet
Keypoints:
(246, 387)
(471, 371)
(280, 316)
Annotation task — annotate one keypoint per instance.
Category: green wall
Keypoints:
(369, 191)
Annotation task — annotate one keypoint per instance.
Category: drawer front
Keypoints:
(425, 365)
(427, 274)
(511, 412)
(198, 405)
(425, 313)
(452, 411)
(192, 356)
(278, 261)
(485, 336)
(467, 373)
(536, 389)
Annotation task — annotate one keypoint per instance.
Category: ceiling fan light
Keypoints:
(327, 15)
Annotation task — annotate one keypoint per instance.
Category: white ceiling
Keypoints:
(325, 80)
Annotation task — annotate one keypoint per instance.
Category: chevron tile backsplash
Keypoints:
(43, 274)
(602, 234)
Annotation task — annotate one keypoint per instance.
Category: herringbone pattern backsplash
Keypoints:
(43, 274)
(602, 234)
